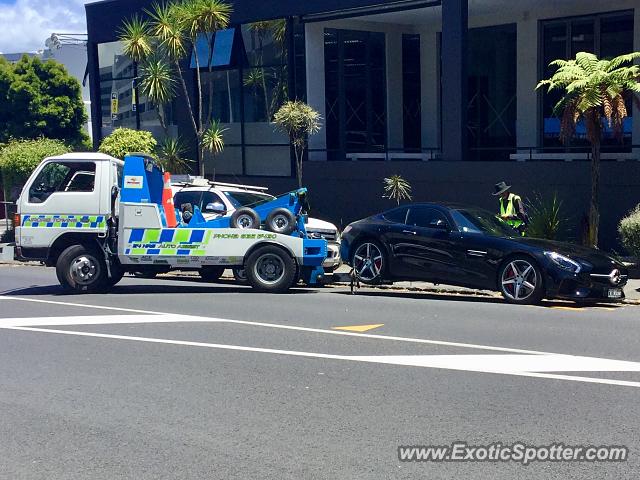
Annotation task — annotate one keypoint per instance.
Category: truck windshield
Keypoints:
(248, 199)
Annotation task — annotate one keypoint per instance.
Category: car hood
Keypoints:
(317, 224)
(597, 258)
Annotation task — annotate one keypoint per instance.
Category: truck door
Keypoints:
(63, 196)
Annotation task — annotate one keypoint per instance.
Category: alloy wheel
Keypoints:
(519, 280)
(368, 262)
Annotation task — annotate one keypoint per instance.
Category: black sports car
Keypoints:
(471, 247)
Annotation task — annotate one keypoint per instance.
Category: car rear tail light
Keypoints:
(16, 220)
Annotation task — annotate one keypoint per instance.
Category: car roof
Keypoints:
(84, 156)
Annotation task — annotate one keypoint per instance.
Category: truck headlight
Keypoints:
(565, 263)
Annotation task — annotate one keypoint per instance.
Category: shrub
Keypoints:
(546, 218)
(20, 157)
(629, 229)
(123, 141)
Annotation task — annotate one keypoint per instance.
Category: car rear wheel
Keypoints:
(270, 269)
(369, 262)
(520, 281)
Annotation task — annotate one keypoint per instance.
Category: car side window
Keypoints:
(183, 198)
(62, 177)
(397, 215)
(426, 217)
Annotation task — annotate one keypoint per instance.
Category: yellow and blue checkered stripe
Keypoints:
(65, 221)
(170, 242)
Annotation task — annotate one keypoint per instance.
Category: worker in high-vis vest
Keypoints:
(512, 209)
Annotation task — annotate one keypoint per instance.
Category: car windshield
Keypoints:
(481, 221)
(248, 199)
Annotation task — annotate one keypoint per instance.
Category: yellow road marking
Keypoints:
(359, 328)
(571, 309)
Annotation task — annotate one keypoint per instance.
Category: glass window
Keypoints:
(62, 177)
(398, 215)
(117, 98)
(187, 197)
(265, 90)
(355, 92)
(265, 42)
(411, 92)
(482, 221)
(492, 92)
(248, 199)
(426, 217)
(607, 35)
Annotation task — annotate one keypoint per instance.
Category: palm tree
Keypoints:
(595, 92)
(171, 155)
(397, 188)
(173, 30)
(298, 120)
(213, 142)
(158, 85)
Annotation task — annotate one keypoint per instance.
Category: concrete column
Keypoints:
(455, 15)
(636, 111)
(314, 49)
(527, 125)
(395, 132)
(430, 78)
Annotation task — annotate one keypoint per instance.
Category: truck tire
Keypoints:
(281, 221)
(81, 269)
(117, 272)
(271, 269)
(240, 274)
(211, 273)
(245, 217)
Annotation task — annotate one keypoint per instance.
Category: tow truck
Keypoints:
(94, 218)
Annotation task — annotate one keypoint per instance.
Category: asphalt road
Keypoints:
(186, 380)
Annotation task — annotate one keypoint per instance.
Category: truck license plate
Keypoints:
(614, 293)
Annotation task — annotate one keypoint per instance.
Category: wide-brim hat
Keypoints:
(500, 188)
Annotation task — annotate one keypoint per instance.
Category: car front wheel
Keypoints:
(520, 281)
(369, 262)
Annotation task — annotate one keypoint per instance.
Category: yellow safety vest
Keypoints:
(508, 209)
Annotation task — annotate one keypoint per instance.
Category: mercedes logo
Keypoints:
(615, 277)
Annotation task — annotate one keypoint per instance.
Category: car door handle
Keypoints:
(410, 231)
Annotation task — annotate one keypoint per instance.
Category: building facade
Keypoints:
(441, 92)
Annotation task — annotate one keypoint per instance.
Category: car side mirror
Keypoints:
(441, 225)
(216, 207)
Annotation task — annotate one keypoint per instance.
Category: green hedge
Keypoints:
(123, 141)
(20, 157)
(629, 229)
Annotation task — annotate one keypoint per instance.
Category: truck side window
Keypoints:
(62, 177)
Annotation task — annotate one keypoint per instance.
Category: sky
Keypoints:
(26, 24)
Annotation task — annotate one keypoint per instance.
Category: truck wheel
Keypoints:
(240, 274)
(245, 217)
(281, 221)
(270, 269)
(81, 269)
(211, 273)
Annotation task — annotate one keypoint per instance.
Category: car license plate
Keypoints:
(614, 293)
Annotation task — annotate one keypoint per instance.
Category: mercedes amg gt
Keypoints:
(471, 247)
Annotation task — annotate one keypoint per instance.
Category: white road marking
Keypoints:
(446, 362)
(189, 318)
(518, 362)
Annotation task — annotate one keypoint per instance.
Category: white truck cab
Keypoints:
(66, 199)
(95, 217)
